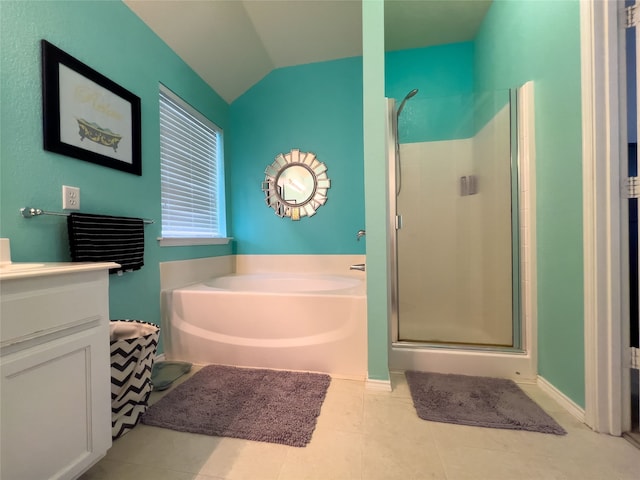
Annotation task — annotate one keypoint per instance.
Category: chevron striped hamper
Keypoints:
(133, 349)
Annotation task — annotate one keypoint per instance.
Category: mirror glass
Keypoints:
(295, 184)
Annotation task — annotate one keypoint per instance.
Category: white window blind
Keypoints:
(191, 171)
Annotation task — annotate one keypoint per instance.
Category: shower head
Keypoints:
(411, 93)
(407, 97)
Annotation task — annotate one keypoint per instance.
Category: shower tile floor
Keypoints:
(371, 435)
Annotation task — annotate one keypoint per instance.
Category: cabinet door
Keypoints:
(55, 407)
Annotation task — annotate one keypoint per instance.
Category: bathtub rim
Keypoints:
(359, 289)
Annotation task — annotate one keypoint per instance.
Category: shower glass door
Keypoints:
(457, 267)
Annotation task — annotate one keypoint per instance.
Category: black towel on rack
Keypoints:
(103, 238)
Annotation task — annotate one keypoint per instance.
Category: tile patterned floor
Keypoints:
(370, 435)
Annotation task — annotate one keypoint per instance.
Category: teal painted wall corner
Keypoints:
(315, 108)
(112, 40)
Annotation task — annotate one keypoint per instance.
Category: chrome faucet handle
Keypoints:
(360, 234)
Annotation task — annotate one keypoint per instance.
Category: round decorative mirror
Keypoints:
(296, 184)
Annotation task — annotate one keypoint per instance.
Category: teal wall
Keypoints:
(444, 75)
(376, 191)
(448, 105)
(315, 108)
(540, 41)
(108, 37)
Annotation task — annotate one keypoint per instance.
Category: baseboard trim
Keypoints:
(564, 401)
(378, 385)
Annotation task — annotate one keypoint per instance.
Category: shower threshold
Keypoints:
(419, 345)
(478, 360)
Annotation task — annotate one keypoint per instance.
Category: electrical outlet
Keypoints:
(70, 198)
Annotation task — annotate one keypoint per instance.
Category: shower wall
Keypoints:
(493, 166)
(454, 250)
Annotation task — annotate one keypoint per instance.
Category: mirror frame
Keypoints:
(321, 183)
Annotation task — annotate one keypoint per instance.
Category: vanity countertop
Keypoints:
(11, 271)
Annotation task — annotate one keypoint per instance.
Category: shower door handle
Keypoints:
(398, 222)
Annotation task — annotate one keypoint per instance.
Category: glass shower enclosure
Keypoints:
(456, 241)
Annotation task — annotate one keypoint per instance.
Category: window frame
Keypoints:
(220, 180)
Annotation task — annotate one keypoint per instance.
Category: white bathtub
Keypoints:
(277, 320)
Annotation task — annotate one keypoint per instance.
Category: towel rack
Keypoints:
(28, 212)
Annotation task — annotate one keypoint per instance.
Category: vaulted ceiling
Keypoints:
(232, 44)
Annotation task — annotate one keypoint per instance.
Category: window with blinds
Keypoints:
(191, 172)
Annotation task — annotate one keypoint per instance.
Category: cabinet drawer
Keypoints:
(33, 307)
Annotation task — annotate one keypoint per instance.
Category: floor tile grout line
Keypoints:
(442, 463)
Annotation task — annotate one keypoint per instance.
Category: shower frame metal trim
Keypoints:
(516, 242)
(393, 224)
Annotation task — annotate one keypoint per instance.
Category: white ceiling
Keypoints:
(232, 44)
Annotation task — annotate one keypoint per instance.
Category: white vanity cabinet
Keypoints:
(55, 404)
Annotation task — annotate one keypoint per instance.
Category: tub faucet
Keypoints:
(357, 266)
(360, 234)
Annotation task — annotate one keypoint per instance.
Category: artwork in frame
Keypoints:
(88, 116)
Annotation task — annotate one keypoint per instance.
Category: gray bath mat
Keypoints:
(477, 401)
(263, 405)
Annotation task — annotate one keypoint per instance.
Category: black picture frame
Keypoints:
(88, 116)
